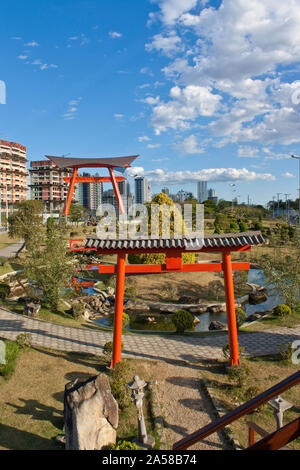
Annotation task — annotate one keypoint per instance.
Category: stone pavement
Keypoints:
(10, 250)
(176, 347)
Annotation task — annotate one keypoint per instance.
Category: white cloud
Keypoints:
(168, 45)
(235, 51)
(70, 114)
(189, 145)
(32, 44)
(143, 138)
(22, 57)
(288, 175)
(247, 151)
(171, 10)
(115, 35)
(118, 116)
(153, 146)
(186, 105)
(159, 176)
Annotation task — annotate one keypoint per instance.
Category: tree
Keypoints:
(48, 264)
(26, 222)
(76, 213)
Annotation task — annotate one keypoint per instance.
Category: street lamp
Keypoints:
(298, 158)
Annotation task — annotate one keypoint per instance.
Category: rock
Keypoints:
(200, 309)
(169, 308)
(32, 310)
(215, 308)
(257, 297)
(254, 316)
(196, 321)
(86, 314)
(110, 290)
(131, 305)
(90, 413)
(217, 325)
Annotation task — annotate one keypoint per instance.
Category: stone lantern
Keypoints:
(137, 385)
(279, 406)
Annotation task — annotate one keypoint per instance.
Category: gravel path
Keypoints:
(184, 406)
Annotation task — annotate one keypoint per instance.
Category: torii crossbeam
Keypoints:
(111, 164)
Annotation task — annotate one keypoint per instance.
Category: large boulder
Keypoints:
(217, 325)
(137, 306)
(32, 310)
(200, 309)
(90, 413)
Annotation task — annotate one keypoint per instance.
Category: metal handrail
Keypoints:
(240, 411)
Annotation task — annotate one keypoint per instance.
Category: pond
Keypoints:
(163, 322)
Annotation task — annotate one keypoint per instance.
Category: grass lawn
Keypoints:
(31, 400)
(264, 372)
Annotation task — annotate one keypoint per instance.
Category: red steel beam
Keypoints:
(93, 179)
(117, 191)
(70, 192)
(118, 317)
(162, 268)
(230, 309)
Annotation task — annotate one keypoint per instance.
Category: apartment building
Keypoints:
(47, 184)
(12, 173)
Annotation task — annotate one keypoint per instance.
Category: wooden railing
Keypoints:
(243, 410)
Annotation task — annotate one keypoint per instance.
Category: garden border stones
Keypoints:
(156, 411)
(220, 411)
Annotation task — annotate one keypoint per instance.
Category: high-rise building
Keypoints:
(125, 192)
(47, 184)
(90, 194)
(165, 191)
(12, 173)
(142, 190)
(202, 191)
(212, 195)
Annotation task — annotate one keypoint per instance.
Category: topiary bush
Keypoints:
(240, 317)
(183, 320)
(24, 340)
(282, 310)
(118, 384)
(4, 290)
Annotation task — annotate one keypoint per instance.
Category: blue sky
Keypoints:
(200, 89)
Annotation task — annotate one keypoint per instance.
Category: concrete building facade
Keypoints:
(13, 173)
(47, 184)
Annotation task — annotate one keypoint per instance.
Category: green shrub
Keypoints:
(285, 351)
(240, 317)
(226, 351)
(183, 320)
(125, 319)
(11, 353)
(77, 310)
(118, 384)
(243, 227)
(4, 290)
(251, 392)
(158, 258)
(239, 374)
(124, 445)
(24, 340)
(282, 310)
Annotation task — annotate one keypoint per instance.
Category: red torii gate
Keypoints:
(173, 249)
(120, 163)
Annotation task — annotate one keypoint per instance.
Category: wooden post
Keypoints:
(230, 309)
(70, 192)
(118, 319)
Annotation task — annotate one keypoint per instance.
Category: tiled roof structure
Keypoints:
(210, 241)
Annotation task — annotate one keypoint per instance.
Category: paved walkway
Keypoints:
(176, 347)
(10, 250)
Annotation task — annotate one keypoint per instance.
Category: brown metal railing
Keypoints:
(240, 411)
